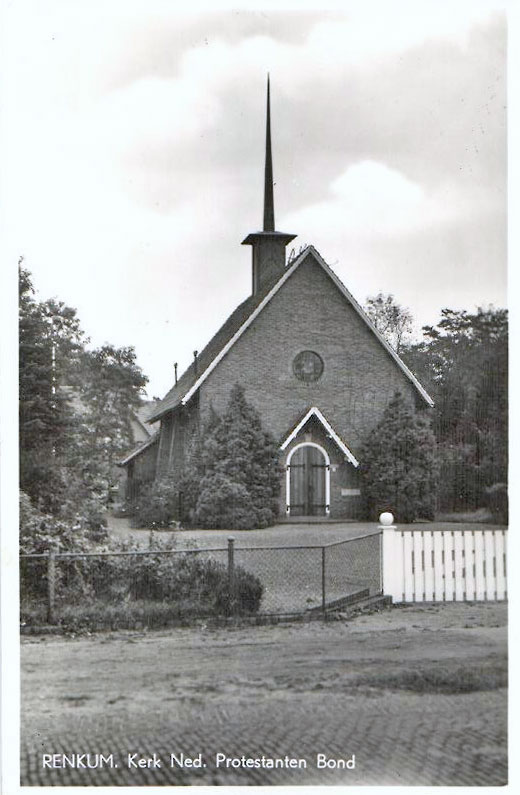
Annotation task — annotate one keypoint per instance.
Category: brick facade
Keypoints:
(359, 376)
(308, 312)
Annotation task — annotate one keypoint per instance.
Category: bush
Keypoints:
(184, 583)
(224, 504)
(92, 615)
(39, 531)
(188, 577)
(156, 506)
(460, 477)
(246, 597)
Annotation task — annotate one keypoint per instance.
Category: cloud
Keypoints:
(136, 153)
(373, 31)
(376, 198)
(369, 200)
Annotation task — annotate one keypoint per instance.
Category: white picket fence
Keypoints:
(444, 566)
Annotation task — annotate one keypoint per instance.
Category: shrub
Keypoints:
(185, 583)
(156, 505)
(39, 531)
(100, 615)
(189, 577)
(223, 503)
(246, 596)
(89, 615)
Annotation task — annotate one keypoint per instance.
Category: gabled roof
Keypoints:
(143, 413)
(142, 447)
(233, 324)
(240, 321)
(315, 412)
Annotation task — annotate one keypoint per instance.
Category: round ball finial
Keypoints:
(386, 519)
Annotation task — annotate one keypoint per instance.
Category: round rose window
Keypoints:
(308, 366)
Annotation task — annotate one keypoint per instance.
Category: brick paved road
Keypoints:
(271, 692)
(428, 740)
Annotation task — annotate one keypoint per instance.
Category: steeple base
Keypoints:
(268, 256)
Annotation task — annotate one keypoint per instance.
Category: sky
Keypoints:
(135, 141)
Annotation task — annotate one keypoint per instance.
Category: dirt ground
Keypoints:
(298, 690)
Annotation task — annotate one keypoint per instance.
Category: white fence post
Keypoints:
(392, 554)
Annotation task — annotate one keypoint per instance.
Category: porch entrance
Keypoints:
(308, 473)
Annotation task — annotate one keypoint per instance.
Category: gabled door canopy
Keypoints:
(315, 412)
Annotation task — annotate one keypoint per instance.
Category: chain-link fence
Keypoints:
(352, 566)
(157, 586)
(290, 576)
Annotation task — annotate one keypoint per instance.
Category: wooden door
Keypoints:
(307, 478)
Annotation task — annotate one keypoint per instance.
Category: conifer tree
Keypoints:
(241, 474)
(399, 468)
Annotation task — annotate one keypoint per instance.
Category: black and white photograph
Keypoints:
(256, 479)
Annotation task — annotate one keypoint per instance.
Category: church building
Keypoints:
(310, 361)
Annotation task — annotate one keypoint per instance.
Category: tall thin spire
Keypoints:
(268, 245)
(268, 187)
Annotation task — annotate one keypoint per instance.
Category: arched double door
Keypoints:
(308, 481)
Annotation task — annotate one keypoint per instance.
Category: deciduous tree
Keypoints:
(463, 362)
(109, 390)
(390, 318)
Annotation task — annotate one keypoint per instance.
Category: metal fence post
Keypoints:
(51, 576)
(231, 572)
(323, 590)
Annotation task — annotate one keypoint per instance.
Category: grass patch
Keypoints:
(447, 680)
